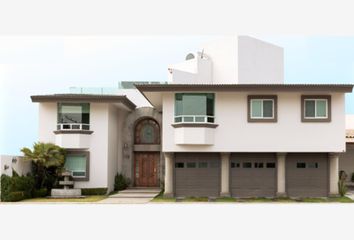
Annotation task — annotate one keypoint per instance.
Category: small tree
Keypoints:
(47, 159)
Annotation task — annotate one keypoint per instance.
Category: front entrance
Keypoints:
(145, 170)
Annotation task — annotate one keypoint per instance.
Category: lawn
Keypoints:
(91, 199)
(160, 198)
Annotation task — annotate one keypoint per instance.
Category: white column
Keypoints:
(168, 175)
(333, 173)
(225, 175)
(281, 158)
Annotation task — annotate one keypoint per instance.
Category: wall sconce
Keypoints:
(14, 160)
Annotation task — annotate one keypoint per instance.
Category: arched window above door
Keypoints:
(147, 131)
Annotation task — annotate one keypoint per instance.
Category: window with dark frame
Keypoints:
(300, 165)
(270, 165)
(179, 165)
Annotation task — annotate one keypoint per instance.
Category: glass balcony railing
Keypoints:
(194, 119)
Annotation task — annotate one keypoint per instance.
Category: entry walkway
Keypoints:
(133, 195)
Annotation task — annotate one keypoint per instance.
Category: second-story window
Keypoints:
(316, 108)
(194, 108)
(262, 108)
(73, 116)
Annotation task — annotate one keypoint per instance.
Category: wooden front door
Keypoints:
(145, 170)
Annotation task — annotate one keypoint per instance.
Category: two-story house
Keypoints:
(226, 124)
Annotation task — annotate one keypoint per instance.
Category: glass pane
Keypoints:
(309, 108)
(312, 165)
(73, 113)
(179, 165)
(147, 134)
(258, 165)
(86, 127)
(301, 165)
(256, 108)
(188, 119)
(210, 120)
(268, 108)
(194, 104)
(321, 108)
(199, 119)
(75, 163)
(247, 165)
(202, 164)
(191, 165)
(270, 165)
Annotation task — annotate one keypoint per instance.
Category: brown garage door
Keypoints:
(197, 174)
(253, 174)
(307, 174)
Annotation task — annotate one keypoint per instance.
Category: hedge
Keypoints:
(11, 186)
(40, 193)
(94, 191)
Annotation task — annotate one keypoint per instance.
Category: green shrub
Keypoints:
(94, 191)
(16, 196)
(40, 193)
(120, 182)
(16, 183)
(342, 189)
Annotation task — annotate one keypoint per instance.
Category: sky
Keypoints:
(45, 65)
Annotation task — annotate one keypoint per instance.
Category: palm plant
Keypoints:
(47, 159)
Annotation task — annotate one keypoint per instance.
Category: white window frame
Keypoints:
(261, 99)
(315, 99)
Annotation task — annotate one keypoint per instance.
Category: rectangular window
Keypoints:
(73, 116)
(247, 165)
(202, 164)
(179, 165)
(258, 165)
(300, 165)
(270, 165)
(194, 107)
(77, 163)
(191, 165)
(312, 165)
(235, 165)
(262, 108)
(316, 108)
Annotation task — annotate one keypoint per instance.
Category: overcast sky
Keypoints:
(41, 65)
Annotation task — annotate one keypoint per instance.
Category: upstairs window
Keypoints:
(262, 108)
(194, 108)
(315, 108)
(73, 116)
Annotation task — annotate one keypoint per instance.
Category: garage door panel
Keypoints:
(307, 181)
(253, 182)
(199, 181)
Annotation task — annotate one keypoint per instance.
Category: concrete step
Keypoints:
(137, 193)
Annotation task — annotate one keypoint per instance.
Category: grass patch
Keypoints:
(225, 199)
(195, 199)
(93, 198)
(161, 198)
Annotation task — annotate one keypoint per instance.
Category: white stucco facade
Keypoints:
(235, 134)
(232, 60)
(104, 144)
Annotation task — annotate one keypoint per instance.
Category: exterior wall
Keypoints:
(223, 54)
(47, 122)
(20, 166)
(349, 121)
(115, 119)
(289, 134)
(259, 62)
(99, 113)
(346, 161)
(244, 59)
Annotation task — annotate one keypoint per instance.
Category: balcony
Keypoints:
(73, 135)
(194, 129)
